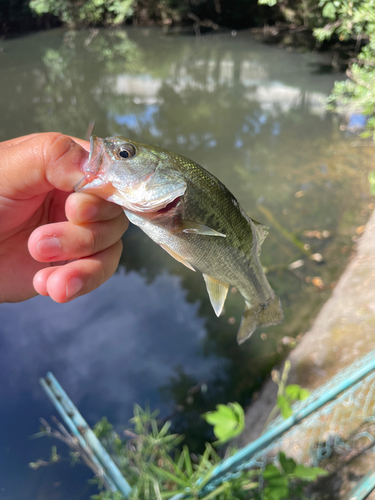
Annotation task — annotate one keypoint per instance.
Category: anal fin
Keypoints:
(248, 324)
(176, 256)
(217, 292)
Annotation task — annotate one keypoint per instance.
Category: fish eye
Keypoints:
(126, 151)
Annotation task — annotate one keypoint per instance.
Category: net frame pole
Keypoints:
(363, 488)
(85, 436)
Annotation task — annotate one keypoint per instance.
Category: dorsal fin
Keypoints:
(217, 292)
(261, 230)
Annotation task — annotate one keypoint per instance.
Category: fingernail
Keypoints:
(87, 212)
(73, 286)
(49, 247)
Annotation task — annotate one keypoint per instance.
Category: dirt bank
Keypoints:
(343, 331)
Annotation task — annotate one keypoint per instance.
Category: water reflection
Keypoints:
(110, 349)
(105, 346)
(255, 117)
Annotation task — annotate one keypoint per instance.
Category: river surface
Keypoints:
(254, 116)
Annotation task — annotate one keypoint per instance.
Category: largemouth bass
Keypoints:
(192, 215)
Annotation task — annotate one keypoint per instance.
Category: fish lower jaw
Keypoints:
(96, 186)
(149, 213)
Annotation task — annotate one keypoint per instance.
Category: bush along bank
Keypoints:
(350, 26)
(17, 15)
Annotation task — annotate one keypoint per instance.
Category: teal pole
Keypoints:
(364, 487)
(85, 436)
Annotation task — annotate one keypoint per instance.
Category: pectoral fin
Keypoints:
(188, 226)
(217, 292)
(176, 256)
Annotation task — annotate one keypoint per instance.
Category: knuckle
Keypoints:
(49, 148)
(126, 222)
(48, 145)
(122, 223)
(112, 261)
(95, 239)
(98, 275)
(59, 145)
(103, 235)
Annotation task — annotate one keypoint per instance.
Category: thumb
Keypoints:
(38, 163)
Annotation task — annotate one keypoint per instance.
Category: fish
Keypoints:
(192, 216)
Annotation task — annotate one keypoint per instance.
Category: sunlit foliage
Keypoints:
(92, 12)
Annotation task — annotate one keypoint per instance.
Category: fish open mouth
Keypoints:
(169, 210)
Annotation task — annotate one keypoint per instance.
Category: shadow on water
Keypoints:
(322, 69)
(252, 115)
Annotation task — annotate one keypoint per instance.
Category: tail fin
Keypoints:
(264, 315)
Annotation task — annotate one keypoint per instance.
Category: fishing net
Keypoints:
(334, 424)
(333, 419)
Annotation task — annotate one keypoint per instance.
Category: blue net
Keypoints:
(330, 420)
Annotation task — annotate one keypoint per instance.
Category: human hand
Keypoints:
(52, 241)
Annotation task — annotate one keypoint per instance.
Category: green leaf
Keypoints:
(295, 391)
(284, 406)
(169, 477)
(228, 421)
(271, 493)
(329, 10)
(303, 394)
(288, 464)
(371, 179)
(188, 464)
(216, 493)
(271, 472)
(308, 473)
(277, 483)
(366, 134)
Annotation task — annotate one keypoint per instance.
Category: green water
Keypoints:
(251, 114)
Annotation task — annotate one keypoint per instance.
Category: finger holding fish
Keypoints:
(82, 208)
(66, 282)
(88, 246)
(93, 225)
(65, 241)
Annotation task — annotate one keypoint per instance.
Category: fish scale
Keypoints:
(192, 215)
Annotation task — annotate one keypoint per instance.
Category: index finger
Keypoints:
(81, 208)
